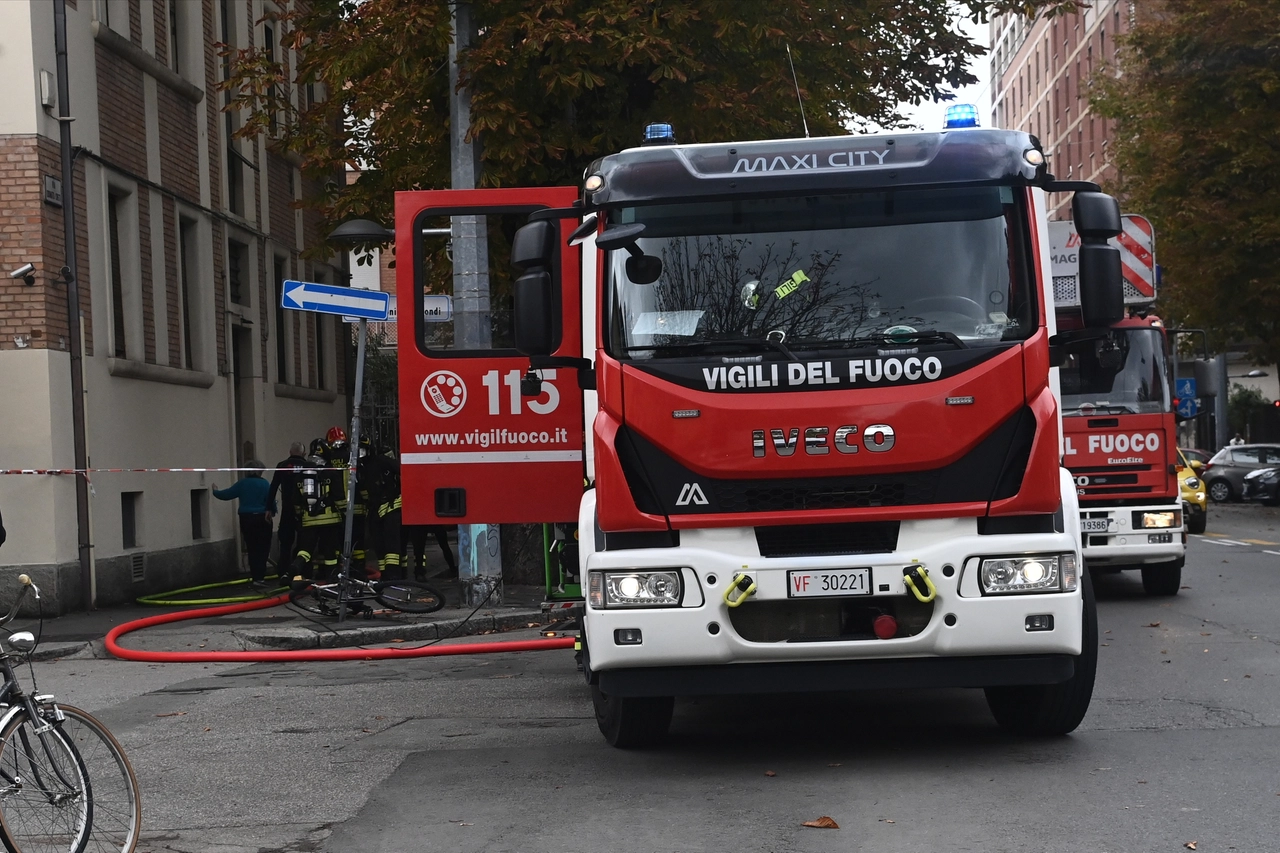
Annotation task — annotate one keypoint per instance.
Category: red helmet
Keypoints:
(336, 435)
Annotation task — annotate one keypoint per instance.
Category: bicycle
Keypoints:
(345, 595)
(65, 783)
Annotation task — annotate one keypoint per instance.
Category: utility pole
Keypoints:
(479, 551)
(69, 277)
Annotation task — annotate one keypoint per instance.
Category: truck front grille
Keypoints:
(826, 619)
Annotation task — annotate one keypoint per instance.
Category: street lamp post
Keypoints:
(357, 232)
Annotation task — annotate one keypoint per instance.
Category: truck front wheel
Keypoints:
(1053, 709)
(1163, 578)
(631, 722)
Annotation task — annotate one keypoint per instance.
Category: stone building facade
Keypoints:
(184, 238)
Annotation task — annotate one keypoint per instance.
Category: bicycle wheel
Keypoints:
(46, 804)
(409, 596)
(309, 600)
(115, 801)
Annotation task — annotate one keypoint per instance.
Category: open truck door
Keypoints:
(467, 435)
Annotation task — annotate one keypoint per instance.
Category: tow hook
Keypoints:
(743, 585)
(916, 577)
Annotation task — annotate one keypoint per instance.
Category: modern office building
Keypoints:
(184, 238)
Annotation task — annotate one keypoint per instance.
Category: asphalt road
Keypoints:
(1181, 744)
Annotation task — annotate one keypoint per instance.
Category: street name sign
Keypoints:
(330, 299)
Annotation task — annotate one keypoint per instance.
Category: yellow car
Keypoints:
(1195, 507)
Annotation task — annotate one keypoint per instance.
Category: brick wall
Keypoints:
(120, 106)
(32, 232)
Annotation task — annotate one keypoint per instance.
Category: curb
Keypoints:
(291, 639)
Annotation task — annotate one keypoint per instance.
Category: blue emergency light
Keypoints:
(960, 115)
(659, 133)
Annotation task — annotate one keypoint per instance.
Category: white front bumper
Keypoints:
(1122, 544)
(701, 632)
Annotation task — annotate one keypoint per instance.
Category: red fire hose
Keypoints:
(302, 654)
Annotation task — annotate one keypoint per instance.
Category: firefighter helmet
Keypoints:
(336, 436)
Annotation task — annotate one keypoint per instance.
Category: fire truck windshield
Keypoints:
(1122, 373)
(825, 271)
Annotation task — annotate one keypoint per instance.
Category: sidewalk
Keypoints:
(285, 627)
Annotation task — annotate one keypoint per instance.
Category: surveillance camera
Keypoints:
(23, 271)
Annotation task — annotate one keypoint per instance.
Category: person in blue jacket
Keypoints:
(255, 524)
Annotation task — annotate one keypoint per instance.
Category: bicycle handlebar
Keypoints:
(26, 582)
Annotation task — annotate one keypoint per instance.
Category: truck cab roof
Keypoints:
(789, 166)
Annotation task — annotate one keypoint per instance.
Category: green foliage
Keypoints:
(1242, 402)
(1197, 145)
(557, 83)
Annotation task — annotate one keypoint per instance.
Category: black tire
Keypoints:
(117, 802)
(632, 722)
(1053, 709)
(309, 600)
(409, 596)
(1162, 578)
(48, 801)
(1220, 491)
(1196, 522)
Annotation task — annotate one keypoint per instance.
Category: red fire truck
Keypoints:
(1118, 420)
(806, 384)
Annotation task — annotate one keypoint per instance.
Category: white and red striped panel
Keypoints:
(1137, 244)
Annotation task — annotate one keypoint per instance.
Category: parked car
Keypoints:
(1195, 505)
(1224, 474)
(1262, 485)
(1195, 455)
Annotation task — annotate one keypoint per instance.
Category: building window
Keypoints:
(238, 271)
(187, 278)
(199, 513)
(174, 30)
(282, 350)
(130, 509)
(235, 160)
(115, 212)
(269, 42)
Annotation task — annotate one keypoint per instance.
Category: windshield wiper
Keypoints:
(881, 339)
(1104, 408)
(713, 345)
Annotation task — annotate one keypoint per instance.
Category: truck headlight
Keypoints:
(1040, 573)
(1172, 518)
(634, 589)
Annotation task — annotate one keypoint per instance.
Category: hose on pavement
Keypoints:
(265, 656)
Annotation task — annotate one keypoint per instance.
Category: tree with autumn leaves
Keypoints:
(1197, 148)
(558, 83)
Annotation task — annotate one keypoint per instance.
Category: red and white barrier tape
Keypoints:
(86, 471)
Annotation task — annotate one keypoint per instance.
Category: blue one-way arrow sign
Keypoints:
(1188, 407)
(328, 299)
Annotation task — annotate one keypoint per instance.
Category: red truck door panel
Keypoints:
(467, 436)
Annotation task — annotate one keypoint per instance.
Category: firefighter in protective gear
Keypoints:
(319, 488)
(384, 490)
(339, 453)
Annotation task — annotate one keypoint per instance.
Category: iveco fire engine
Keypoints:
(807, 384)
(1118, 423)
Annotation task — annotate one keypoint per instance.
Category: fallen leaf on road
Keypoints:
(1106, 644)
(1164, 651)
(208, 728)
(770, 773)
(1248, 676)
(885, 820)
(1106, 632)
(1152, 625)
(366, 731)
(1205, 634)
(379, 717)
(1190, 845)
(466, 824)
(184, 713)
(823, 822)
(1142, 781)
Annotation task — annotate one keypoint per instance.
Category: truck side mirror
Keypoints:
(1097, 220)
(533, 315)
